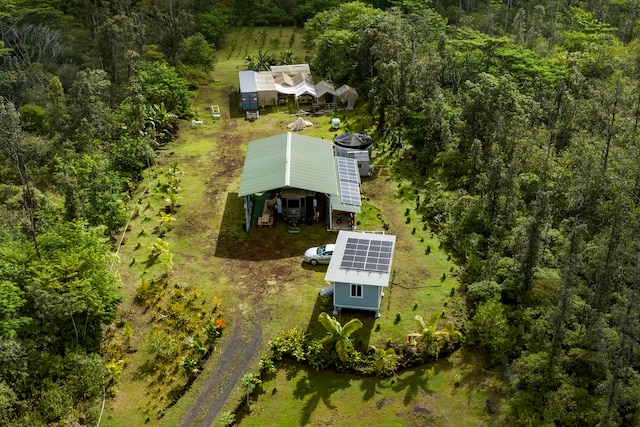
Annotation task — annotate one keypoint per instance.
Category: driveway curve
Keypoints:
(235, 359)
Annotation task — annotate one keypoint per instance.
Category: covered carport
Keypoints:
(294, 169)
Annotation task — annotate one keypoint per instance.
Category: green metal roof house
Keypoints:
(359, 269)
(299, 173)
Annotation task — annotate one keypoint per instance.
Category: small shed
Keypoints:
(248, 91)
(360, 269)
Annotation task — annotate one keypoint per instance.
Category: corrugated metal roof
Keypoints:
(247, 81)
(289, 160)
(360, 277)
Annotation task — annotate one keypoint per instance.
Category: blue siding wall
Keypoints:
(248, 101)
(248, 90)
(370, 297)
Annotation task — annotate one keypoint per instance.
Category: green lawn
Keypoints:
(429, 395)
(262, 272)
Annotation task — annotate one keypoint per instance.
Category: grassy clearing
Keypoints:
(260, 275)
(436, 395)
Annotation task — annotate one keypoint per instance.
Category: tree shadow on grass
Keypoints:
(370, 387)
(323, 304)
(233, 105)
(412, 383)
(362, 336)
(317, 387)
(144, 371)
(291, 369)
(150, 261)
(474, 367)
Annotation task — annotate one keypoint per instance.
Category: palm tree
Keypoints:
(340, 334)
(428, 328)
(427, 334)
(432, 338)
(248, 384)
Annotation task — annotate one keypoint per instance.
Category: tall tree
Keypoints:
(70, 290)
(14, 151)
(88, 105)
(531, 255)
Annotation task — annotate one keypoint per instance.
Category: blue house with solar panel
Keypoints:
(360, 269)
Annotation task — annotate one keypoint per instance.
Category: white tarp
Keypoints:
(299, 124)
(267, 93)
(283, 79)
(324, 87)
(298, 84)
(347, 95)
(294, 80)
(291, 69)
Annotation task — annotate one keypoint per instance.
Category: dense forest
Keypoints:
(517, 122)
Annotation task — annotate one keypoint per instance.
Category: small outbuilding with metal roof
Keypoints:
(257, 89)
(248, 91)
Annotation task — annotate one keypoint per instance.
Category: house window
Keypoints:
(356, 291)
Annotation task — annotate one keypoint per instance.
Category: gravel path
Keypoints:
(235, 359)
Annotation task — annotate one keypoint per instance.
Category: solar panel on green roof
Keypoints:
(349, 182)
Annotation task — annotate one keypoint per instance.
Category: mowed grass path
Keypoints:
(259, 276)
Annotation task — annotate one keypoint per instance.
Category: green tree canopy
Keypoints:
(161, 84)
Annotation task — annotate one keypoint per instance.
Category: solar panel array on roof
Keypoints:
(367, 254)
(349, 182)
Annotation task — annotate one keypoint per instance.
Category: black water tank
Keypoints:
(349, 141)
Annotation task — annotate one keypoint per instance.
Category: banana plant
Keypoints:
(340, 334)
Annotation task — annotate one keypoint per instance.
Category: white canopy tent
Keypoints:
(298, 85)
(267, 93)
(347, 95)
(323, 88)
(294, 80)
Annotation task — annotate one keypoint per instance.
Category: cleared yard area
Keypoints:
(264, 287)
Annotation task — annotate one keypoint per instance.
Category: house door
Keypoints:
(310, 209)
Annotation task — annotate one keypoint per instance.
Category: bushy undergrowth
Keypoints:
(115, 348)
(184, 333)
(425, 346)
